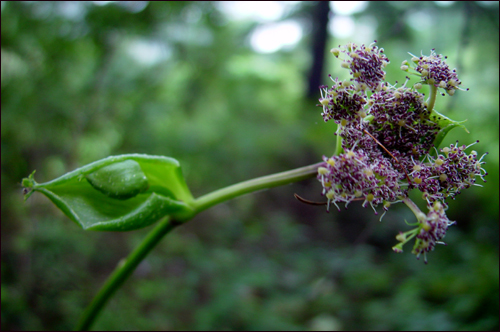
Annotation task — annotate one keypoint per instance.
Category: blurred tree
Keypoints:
(319, 38)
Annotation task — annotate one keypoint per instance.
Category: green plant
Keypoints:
(387, 145)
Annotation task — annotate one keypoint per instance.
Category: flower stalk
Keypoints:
(265, 182)
(128, 265)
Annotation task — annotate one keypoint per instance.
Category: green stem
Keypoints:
(269, 181)
(432, 98)
(125, 268)
(414, 208)
(338, 149)
(123, 271)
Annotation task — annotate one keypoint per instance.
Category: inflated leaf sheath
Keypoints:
(121, 180)
(119, 193)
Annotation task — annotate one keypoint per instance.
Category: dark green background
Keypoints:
(72, 94)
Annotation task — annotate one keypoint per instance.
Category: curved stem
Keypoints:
(414, 208)
(123, 271)
(126, 267)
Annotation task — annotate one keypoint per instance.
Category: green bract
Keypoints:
(119, 193)
(445, 125)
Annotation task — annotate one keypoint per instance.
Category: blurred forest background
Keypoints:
(229, 89)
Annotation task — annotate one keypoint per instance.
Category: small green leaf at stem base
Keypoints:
(445, 125)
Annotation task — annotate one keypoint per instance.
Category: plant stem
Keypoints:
(432, 98)
(414, 208)
(264, 182)
(126, 267)
(338, 149)
(123, 271)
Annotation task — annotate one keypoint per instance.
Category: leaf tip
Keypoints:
(28, 183)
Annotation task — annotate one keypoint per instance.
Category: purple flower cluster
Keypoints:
(385, 138)
(430, 231)
(365, 63)
(434, 71)
(401, 121)
(341, 102)
(391, 123)
(447, 174)
(355, 176)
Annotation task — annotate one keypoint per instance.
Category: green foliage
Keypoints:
(445, 125)
(119, 193)
(72, 93)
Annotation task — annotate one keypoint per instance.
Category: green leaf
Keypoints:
(445, 124)
(119, 193)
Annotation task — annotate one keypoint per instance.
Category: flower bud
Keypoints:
(335, 52)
